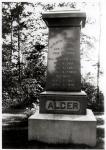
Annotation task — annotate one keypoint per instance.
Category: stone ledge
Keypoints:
(88, 117)
(75, 15)
(64, 14)
(82, 93)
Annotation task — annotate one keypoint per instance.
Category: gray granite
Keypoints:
(62, 18)
(63, 103)
(59, 128)
(63, 71)
(64, 14)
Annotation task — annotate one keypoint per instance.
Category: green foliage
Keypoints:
(21, 80)
(26, 94)
(94, 96)
(6, 100)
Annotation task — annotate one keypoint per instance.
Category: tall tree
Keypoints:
(17, 13)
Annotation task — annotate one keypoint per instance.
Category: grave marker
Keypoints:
(63, 117)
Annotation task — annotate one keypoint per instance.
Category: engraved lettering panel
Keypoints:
(62, 105)
(63, 72)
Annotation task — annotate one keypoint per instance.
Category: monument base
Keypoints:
(63, 102)
(59, 128)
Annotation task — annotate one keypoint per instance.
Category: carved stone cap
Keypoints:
(64, 18)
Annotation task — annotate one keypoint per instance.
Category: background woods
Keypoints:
(24, 53)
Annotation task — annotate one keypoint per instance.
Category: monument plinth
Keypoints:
(62, 116)
(63, 102)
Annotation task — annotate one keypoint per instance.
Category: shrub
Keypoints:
(95, 97)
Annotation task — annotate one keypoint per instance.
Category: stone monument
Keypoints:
(63, 116)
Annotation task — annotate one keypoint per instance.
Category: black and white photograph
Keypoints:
(52, 56)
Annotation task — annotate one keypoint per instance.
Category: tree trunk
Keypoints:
(19, 50)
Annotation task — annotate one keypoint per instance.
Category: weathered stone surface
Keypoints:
(59, 128)
(63, 102)
(63, 73)
(64, 18)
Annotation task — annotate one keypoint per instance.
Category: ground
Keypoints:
(15, 133)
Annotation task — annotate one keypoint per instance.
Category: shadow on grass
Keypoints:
(14, 138)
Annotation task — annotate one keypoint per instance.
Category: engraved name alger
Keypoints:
(62, 105)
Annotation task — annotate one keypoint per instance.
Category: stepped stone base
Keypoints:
(59, 128)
